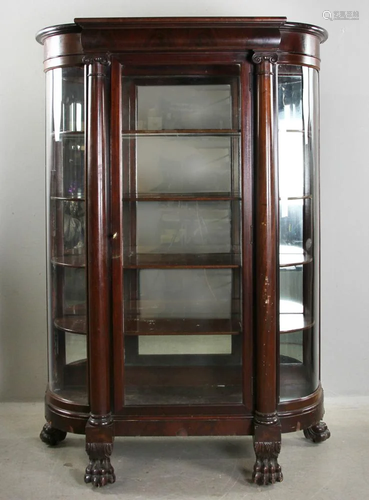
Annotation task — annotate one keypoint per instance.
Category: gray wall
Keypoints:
(344, 180)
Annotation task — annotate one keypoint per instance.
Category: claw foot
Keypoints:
(267, 471)
(317, 433)
(52, 436)
(100, 472)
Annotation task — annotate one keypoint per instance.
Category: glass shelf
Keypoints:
(70, 261)
(294, 322)
(299, 197)
(293, 256)
(73, 323)
(67, 198)
(69, 134)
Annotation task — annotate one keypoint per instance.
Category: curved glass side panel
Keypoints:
(66, 228)
(298, 128)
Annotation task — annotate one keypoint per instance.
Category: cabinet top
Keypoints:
(70, 44)
(256, 23)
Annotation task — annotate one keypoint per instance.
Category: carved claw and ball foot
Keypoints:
(317, 433)
(52, 436)
(99, 471)
(267, 469)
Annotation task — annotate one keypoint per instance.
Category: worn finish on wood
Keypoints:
(244, 53)
(266, 233)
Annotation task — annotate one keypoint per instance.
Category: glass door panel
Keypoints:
(184, 106)
(184, 227)
(299, 231)
(181, 240)
(185, 164)
(66, 233)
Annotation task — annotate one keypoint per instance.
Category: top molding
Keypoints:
(88, 36)
(183, 22)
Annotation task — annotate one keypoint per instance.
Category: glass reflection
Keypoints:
(185, 164)
(185, 293)
(183, 227)
(184, 107)
(291, 290)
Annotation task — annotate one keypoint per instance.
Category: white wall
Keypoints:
(344, 180)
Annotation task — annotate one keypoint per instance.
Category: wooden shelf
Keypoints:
(182, 197)
(289, 323)
(181, 132)
(77, 261)
(179, 385)
(180, 326)
(183, 261)
(72, 324)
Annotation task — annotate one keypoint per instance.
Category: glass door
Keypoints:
(181, 242)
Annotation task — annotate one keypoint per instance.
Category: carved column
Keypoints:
(99, 429)
(267, 430)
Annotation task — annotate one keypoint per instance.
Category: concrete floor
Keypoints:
(187, 468)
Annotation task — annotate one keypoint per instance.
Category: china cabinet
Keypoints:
(182, 160)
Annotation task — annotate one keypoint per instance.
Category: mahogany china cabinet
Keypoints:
(182, 160)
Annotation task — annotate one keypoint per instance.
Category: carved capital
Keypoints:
(103, 59)
(260, 57)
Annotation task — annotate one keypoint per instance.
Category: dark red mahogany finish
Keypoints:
(256, 46)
